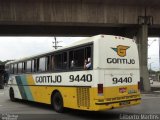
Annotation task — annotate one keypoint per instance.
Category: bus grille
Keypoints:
(83, 97)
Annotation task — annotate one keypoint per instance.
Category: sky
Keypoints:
(153, 54)
(12, 48)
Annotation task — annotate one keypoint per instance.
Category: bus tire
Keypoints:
(57, 102)
(11, 94)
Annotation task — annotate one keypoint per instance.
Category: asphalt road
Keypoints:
(23, 110)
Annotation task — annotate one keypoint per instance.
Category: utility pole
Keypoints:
(55, 43)
(150, 71)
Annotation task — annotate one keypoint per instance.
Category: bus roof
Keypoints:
(80, 42)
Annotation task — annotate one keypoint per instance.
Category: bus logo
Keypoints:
(121, 50)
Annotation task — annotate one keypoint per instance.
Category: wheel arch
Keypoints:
(53, 93)
(11, 88)
(11, 94)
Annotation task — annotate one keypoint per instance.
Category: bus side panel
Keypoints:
(17, 93)
(12, 83)
(73, 97)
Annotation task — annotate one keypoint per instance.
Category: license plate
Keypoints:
(125, 103)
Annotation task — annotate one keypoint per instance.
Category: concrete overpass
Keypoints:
(130, 18)
(45, 17)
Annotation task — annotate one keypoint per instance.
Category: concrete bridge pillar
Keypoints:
(142, 40)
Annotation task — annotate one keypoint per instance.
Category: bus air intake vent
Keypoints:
(83, 98)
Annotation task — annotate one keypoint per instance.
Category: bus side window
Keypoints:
(52, 62)
(71, 60)
(72, 64)
(33, 65)
(58, 61)
(47, 63)
(28, 66)
(42, 65)
(20, 67)
(64, 60)
(88, 64)
(11, 68)
(23, 67)
(15, 68)
(37, 65)
(79, 58)
(87, 52)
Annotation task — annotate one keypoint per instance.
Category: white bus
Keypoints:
(61, 79)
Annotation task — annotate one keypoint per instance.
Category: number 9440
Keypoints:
(78, 78)
(122, 80)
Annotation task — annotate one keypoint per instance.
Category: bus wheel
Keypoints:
(57, 102)
(11, 94)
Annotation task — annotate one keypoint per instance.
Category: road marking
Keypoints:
(2, 93)
(1, 105)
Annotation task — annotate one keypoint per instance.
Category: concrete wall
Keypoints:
(73, 11)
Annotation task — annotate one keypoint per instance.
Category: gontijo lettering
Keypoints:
(120, 61)
(49, 79)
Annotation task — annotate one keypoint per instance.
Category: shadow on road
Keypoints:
(34, 104)
(96, 115)
(69, 113)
